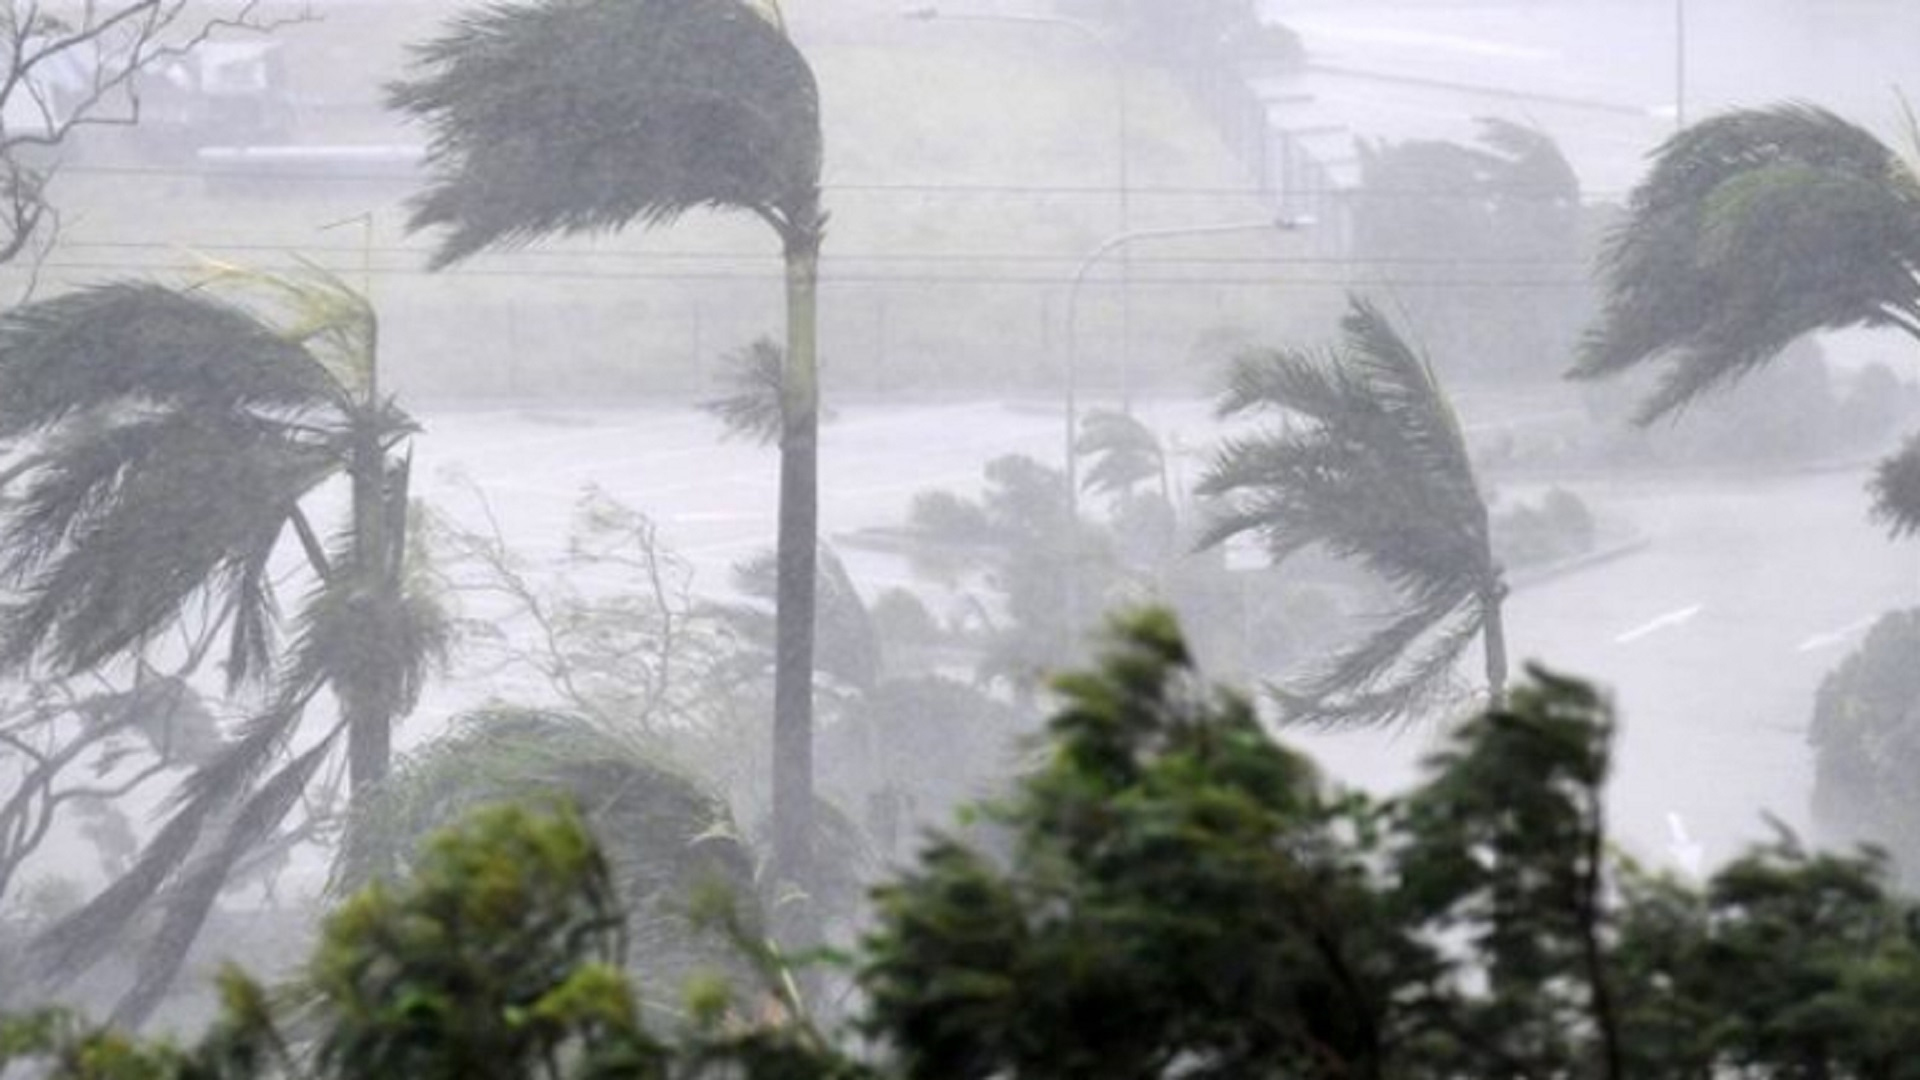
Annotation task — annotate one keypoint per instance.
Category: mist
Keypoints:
(1047, 231)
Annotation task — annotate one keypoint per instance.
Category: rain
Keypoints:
(412, 404)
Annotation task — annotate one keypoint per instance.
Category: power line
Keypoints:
(833, 257)
(773, 275)
(1106, 191)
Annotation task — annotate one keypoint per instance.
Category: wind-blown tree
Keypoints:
(585, 116)
(1754, 229)
(169, 440)
(1442, 223)
(1367, 461)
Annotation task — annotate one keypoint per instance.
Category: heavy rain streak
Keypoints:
(974, 538)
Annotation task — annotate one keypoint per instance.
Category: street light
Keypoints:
(1122, 125)
(1680, 63)
(1120, 242)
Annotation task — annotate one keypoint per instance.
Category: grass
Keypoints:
(945, 267)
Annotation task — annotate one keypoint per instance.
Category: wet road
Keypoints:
(1712, 639)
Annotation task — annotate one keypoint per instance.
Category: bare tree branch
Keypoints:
(64, 74)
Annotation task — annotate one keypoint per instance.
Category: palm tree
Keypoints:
(671, 837)
(582, 116)
(1754, 229)
(1368, 462)
(170, 440)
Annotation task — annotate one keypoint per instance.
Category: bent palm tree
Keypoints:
(572, 116)
(1754, 229)
(1368, 462)
(170, 438)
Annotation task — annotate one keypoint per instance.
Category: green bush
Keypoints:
(1182, 896)
(1866, 740)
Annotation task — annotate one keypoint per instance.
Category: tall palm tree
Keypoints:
(1368, 462)
(1753, 229)
(169, 440)
(582, 116)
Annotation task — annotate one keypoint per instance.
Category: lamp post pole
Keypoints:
(1680, 63)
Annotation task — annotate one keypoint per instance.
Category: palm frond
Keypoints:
(1374, 469)
(313, 308)
(572, 116)
(241, 763)
(752, 410)
(1753, 229)
(137, 341)
(379, 644)
(1313, 386)
(190, 899)
(119, 527)
(79, 940)
(667, 835)
(207, 797)
(1380, 473)
(1895, 488)
(1399, 688)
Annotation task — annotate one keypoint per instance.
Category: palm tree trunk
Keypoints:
(798, 557)
(1493, 637)
(369, 728)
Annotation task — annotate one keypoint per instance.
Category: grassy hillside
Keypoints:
(970, 166)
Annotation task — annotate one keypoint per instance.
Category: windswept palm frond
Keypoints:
(1408, 684)
(1895, 488)
(315, 309)
(752, 409)
(580, 116)
(668, 837)
(190, 898)
(1753, 229)
(119, 526)
(204, 800)
(1369, 463)
(111, 345)
(372, 639)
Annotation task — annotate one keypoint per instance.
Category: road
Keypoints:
(1713, 639)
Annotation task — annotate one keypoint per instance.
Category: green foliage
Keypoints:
(172, 436)
(670, 838)
(1364, 458)
(1866, 739)
(498, 955)
(751, 407)
(1754, 229)
(571, 116)
(1161, 905)
(498, 958)
(1181, 896)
